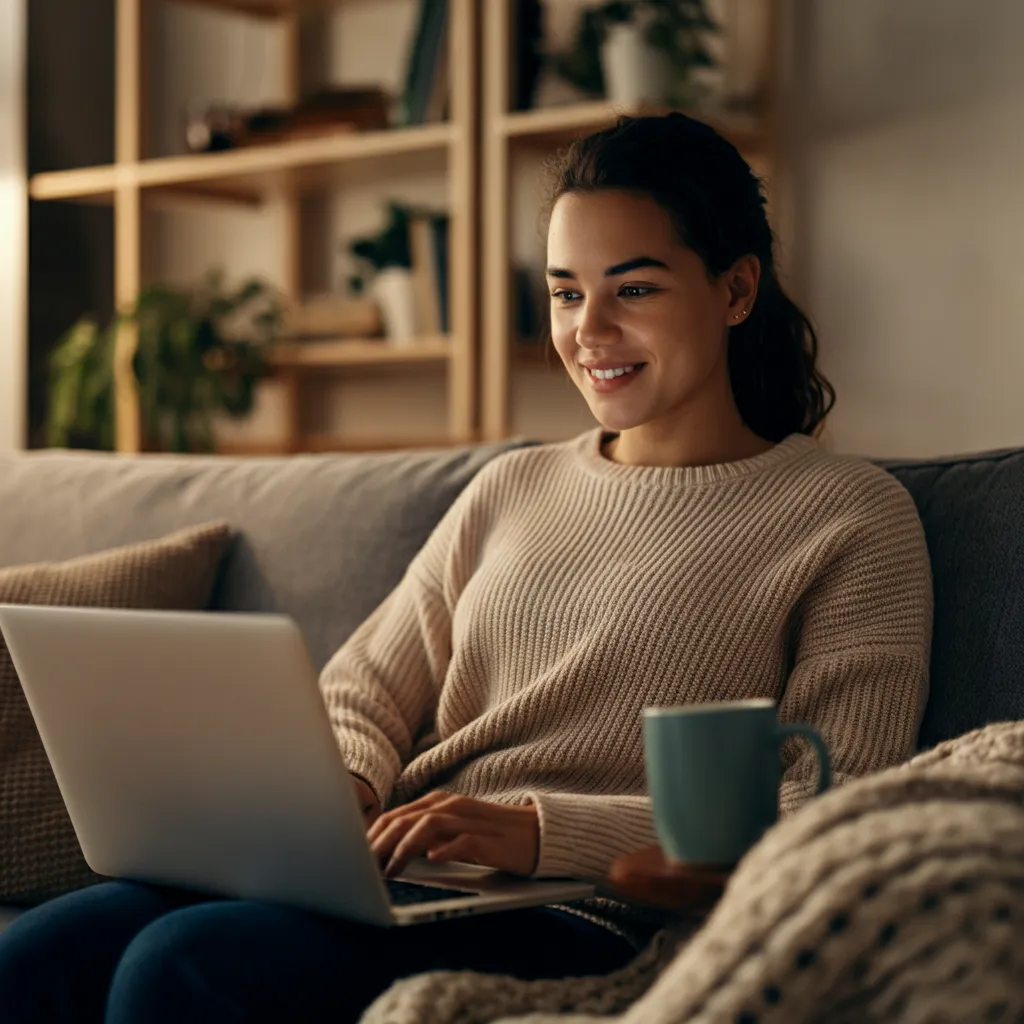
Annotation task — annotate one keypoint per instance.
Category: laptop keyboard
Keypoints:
(405, 893)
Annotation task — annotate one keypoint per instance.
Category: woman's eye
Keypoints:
(629, 291)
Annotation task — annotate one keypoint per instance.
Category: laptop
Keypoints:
(193, 750)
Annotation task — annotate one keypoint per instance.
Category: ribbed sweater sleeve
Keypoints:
(582, 833)
(382, 685)
(862, 638)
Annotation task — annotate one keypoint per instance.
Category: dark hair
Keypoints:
(718, 206)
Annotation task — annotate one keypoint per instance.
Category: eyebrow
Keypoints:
(614, 271)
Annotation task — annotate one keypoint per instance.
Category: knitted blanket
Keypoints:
(898, 897)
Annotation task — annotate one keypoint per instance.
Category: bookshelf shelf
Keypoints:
(252, 174)
(360, 353)
(264, 8)
(558, 125)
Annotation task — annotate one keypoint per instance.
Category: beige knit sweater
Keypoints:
(564, 593)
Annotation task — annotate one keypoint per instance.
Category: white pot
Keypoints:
(393, 292)
(634, 72)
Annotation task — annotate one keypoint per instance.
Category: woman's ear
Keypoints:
(742, 279)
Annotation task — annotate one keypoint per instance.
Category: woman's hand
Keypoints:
(368, 802)
(444, 827)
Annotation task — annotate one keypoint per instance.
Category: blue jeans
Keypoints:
(123, 953)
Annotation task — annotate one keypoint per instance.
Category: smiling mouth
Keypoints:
(613, 374)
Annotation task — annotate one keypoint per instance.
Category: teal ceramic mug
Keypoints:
(713, 771)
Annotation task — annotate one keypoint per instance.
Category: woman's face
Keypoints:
(627, 296)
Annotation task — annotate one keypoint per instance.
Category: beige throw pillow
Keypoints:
(39, 853)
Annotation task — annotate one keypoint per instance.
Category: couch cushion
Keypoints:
(39, 853)
(973, 513)
(322, 538)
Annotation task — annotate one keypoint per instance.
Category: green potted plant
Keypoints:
(641, 51)
(384, 269)
(200, 352)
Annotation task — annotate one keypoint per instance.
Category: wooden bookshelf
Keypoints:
(285, 172)
(475, 153)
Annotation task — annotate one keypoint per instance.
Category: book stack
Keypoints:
(428, 244)
(425, 96)
(330, 318)
(215, 127)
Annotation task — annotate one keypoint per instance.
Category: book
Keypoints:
(331, 316)
(439, 229)
(425, 60)
(424, 276)
(529, 53)
(437, 101)
(428, 240)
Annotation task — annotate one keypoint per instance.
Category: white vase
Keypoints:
(634, 72)
(393, 291)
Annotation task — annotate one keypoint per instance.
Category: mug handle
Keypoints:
(784, 729)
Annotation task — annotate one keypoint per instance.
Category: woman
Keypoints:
(698, 546)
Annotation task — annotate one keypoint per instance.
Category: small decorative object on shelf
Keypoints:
(200, 352)
(214, 128)
(385, 271)
(641, 51)
(396, 296)
(405, 268)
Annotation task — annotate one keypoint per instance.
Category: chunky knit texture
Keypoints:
(896, 900)
(563, 593)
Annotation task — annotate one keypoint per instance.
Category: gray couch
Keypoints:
(325, 538)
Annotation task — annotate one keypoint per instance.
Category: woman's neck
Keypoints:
(646, 445)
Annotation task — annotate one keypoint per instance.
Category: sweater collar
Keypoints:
(588, 447)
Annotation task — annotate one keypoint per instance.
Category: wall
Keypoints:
(912, 201)
(13, 225)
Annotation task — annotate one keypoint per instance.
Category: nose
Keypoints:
(596, 327)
